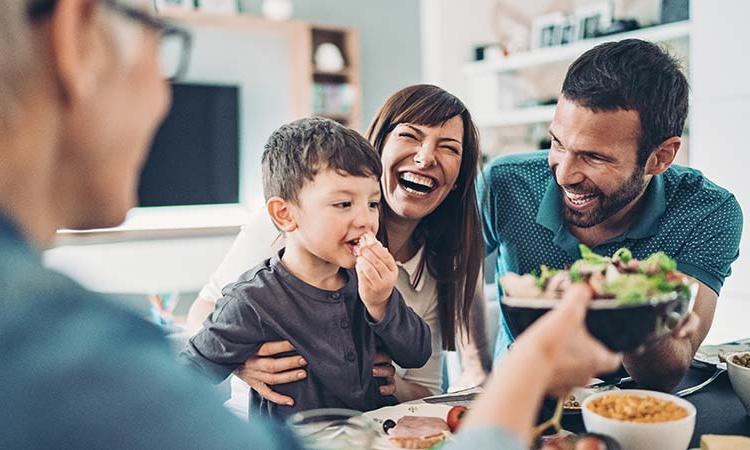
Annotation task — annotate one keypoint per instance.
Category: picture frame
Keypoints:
(593, 18)
(546, 30)
(569, 32)
(173, 5)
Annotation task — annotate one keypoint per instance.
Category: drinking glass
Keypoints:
(333, 429)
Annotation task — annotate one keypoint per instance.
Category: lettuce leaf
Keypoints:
(623, 255)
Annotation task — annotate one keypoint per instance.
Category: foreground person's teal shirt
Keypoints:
(486, 437)
(685, 215)
(78, 372)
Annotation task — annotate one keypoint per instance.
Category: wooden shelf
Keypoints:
(341, 73)
(519, 116)
(548, 55)
(337, 90)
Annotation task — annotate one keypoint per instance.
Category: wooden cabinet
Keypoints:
(336, 92)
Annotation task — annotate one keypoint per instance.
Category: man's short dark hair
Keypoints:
(297, 151)
(632, 75)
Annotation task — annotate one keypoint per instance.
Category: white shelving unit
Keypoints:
(479, 73)
(659, 33)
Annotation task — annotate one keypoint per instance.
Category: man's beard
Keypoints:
(609, 205)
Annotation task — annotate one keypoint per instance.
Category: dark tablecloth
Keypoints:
(719, 411)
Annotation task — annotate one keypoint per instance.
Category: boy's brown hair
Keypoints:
(297, 151)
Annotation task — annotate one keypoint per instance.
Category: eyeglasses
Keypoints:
(175, 42)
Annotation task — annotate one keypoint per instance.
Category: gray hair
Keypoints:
(18, 58)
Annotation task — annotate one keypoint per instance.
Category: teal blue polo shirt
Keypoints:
(685, 215)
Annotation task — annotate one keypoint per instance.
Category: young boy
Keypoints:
(330, 291)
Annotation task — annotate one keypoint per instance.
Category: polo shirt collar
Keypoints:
(655, 205)
(550, 215)
(411, 266)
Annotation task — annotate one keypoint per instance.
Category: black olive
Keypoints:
(387, 425)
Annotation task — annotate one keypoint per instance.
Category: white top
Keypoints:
(259, 238)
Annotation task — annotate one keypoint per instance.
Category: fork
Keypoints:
(456, 396)
(687, 391)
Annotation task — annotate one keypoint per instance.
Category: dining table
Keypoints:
(718, 409)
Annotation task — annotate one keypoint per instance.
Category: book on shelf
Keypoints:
(332, 99)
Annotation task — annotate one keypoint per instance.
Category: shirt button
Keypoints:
(344, 324)
(335, 296)
(350, 356)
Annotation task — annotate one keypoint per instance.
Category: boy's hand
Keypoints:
(377, 273)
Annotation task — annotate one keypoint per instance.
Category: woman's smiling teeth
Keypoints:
(415, 183)
(579, 200)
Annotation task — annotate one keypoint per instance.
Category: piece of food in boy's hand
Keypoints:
(455, 415)
(418, 432)
(366, 240)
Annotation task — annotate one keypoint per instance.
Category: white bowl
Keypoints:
(740, 378)
(671, 435)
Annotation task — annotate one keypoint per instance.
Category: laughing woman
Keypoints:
(430, 223)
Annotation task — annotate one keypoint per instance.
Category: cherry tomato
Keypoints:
(454, 417)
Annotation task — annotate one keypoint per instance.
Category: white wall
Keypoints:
(450, 30)
(720, 108)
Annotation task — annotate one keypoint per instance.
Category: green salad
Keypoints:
(619, 277)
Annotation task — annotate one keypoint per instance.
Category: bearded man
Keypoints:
(608, 181)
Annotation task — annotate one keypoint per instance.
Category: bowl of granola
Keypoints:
(641, 419)
(738, 365)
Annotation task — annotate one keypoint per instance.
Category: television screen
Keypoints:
(194, 157)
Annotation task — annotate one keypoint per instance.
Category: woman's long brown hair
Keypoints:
(451, 234)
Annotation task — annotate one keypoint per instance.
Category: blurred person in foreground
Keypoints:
(82, 94)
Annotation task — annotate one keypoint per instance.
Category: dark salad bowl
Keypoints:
(621, 327)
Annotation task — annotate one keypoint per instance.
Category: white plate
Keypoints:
(396, 412)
